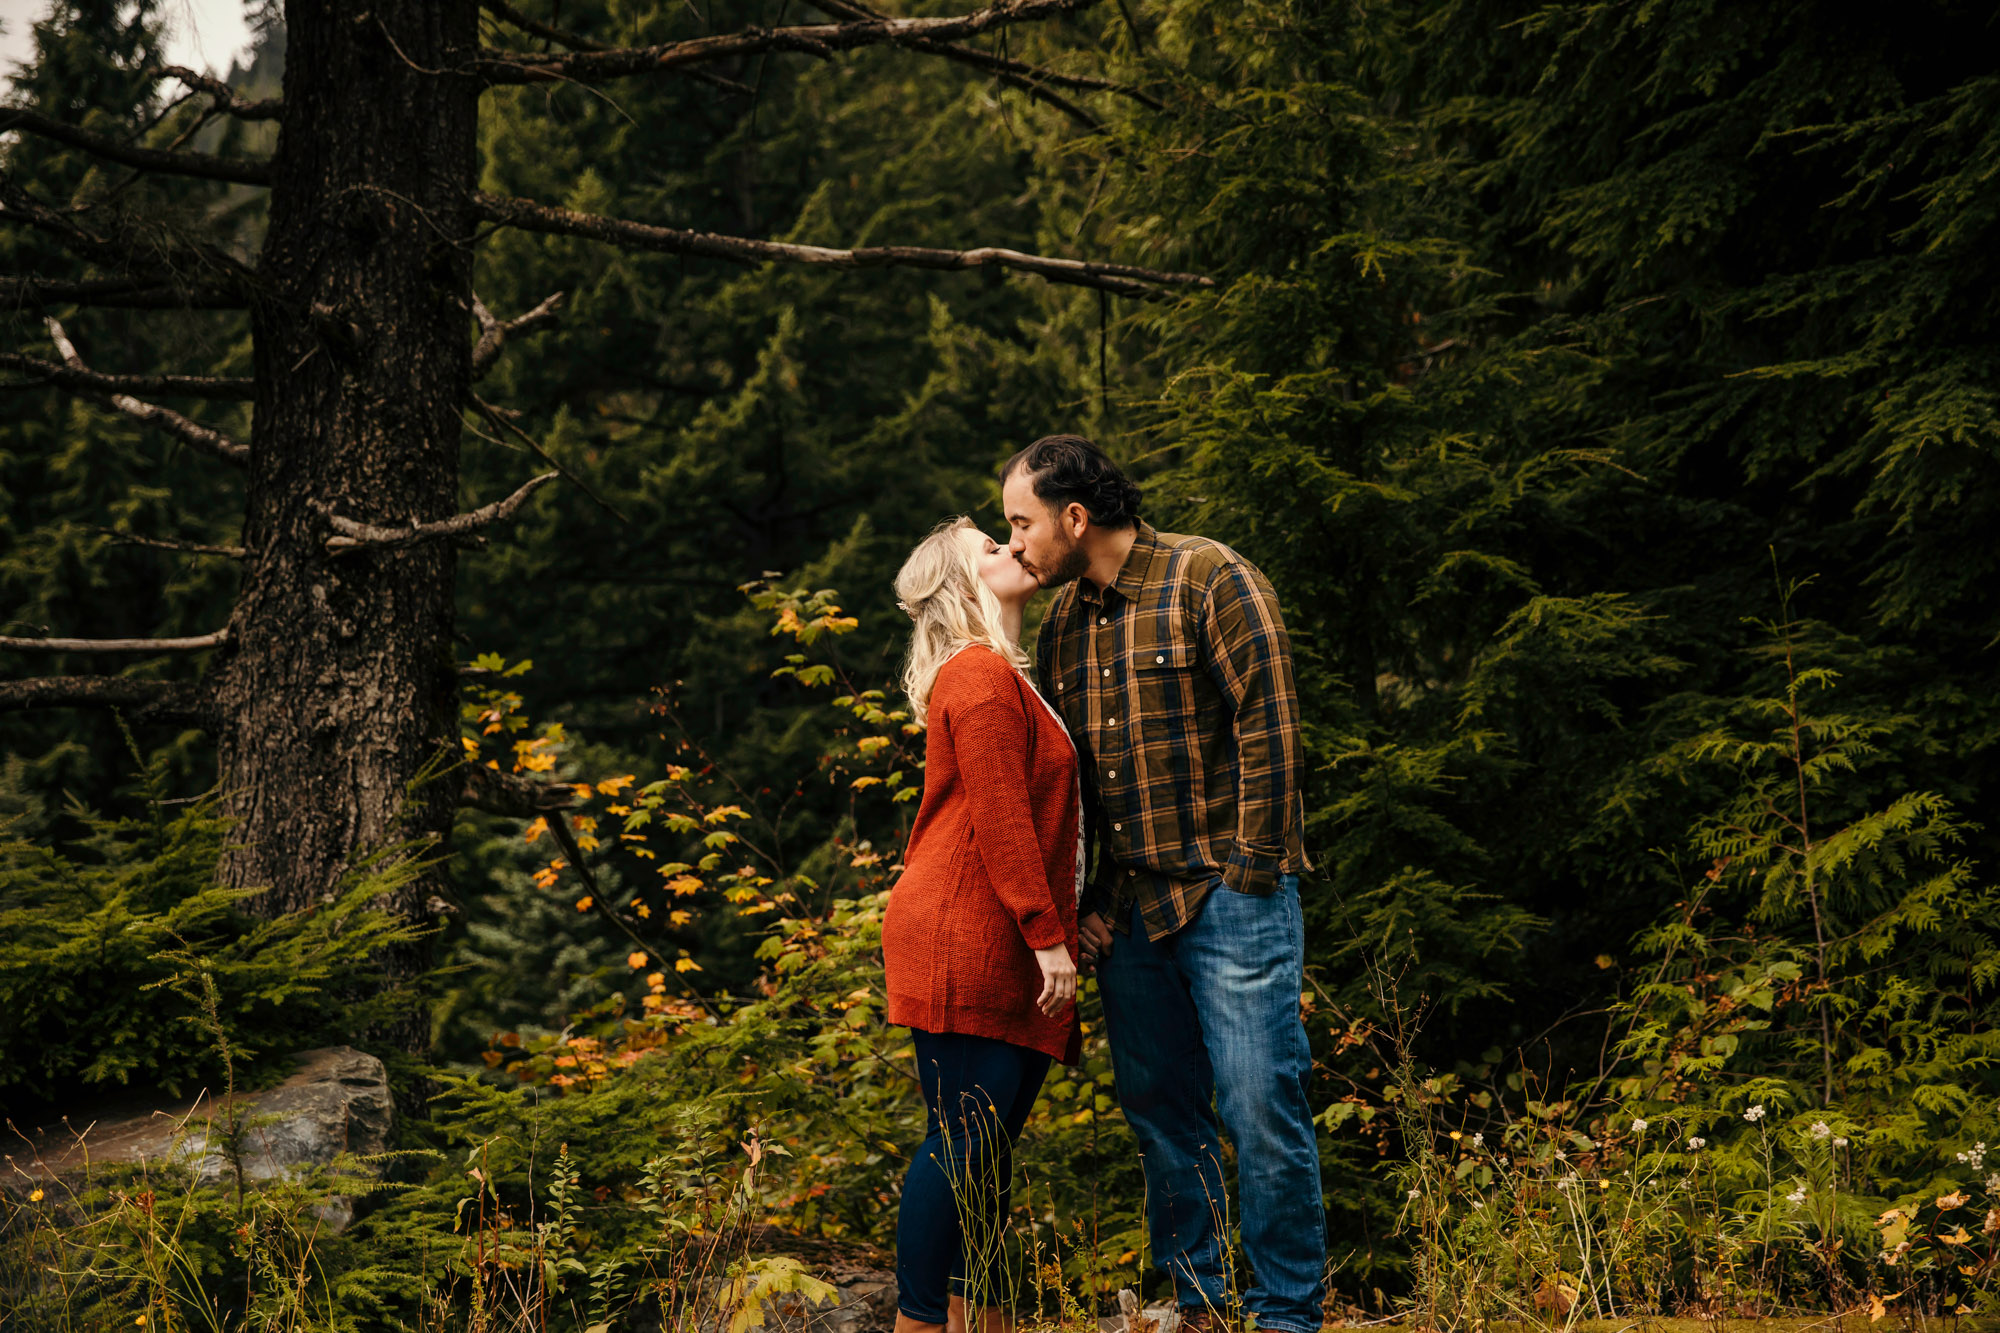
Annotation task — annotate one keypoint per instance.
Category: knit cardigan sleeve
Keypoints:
(989, 737)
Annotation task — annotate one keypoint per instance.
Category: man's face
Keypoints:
(1044, 541)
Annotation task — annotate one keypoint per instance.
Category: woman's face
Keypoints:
(1001, 572)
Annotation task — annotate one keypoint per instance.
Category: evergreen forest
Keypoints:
(1610, 391)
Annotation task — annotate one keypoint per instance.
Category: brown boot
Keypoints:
(1204, 1319)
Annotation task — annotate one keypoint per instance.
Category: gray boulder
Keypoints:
(336, 1102)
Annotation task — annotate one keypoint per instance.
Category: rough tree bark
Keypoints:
(337, 687)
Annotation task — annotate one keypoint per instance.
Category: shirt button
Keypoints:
(1131, 872)
(1117, 828)
(1107, 670)
(1104, 620)
(1114, 772)
(1111, 722)
(1160, 659)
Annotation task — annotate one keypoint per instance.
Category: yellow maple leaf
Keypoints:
(686, 965)
(535, 830)
(636, 960)
(612, 786)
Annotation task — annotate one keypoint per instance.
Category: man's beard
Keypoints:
(1069, 567)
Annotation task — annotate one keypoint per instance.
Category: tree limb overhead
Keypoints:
(154, 263)
(348, 534)
(147, 700)
(1120, 279)
(204, 165)
(820, 39)
(1032, 79)
(188, 548)
(494, 333)
(91, 381)
(187, 430)
(192, 643)
(226, 99)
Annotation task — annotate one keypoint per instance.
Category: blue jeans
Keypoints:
(1207, 1021)
(977, 1095)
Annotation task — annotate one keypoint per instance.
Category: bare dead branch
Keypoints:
(204, 165)
(226, 99)
(1119, 279)
(192, 643)
(820, 39)
(1032, 79)
(493, 333)
(146, 700)
(117, 293)
(349, 534)
(501, 420)
(191, 432)
(506, 13)
(90, 381)
(500, 793)
(145, 259)
(187, 548)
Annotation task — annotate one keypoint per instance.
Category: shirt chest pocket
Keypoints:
(1170, 691)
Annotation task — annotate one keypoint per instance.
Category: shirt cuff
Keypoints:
(1251, 872)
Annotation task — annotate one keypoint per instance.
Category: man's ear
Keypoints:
(1077, 519)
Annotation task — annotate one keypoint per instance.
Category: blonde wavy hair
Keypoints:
(949, 606)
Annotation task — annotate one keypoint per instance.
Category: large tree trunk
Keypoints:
(337, 688)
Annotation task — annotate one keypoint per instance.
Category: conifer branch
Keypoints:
(188, 644)
(126, 255)
(191, 432)
(90, 381)
(1119, 279)
(146, 700)
(184, 163)
(349, 534)
(820, 39)
(493, 333)
(226, 99)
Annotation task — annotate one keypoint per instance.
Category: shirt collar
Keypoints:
(1131, 580)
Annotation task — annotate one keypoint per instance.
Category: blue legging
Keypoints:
(977, 1093)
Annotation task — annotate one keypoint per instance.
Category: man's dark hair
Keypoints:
(1068, 468)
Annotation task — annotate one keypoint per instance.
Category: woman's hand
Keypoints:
(1058, 979)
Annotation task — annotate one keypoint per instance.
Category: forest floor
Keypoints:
(1851, 1322)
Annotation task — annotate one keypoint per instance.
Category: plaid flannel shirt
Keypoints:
(1176, 683)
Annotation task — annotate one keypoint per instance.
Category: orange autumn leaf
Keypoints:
(636, 960)
(536, 829)
(583, 903)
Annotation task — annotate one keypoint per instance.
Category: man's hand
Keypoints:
(1058, 979)
(1094, 937)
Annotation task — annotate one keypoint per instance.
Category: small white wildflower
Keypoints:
(1478, 1140)
(1416, 1194)
(1638, 1127)
(1840, 1143)
(1754, 1113)
(1797, 1196)
(1696, 1145)
(1477, 1204)
(1819, 1129)
(1993, 1184)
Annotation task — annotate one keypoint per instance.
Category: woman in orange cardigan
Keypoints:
(980, 935)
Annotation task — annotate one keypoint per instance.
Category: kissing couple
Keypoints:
(1161, 727)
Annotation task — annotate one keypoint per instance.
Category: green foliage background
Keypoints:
(1610, 393)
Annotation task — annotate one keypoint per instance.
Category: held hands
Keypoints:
(1058, 979)
(1093, 936)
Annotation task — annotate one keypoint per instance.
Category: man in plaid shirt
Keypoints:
(1167, 658)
